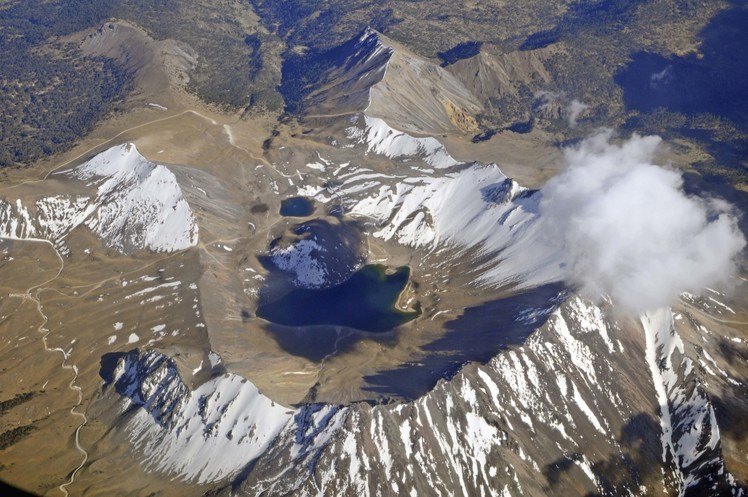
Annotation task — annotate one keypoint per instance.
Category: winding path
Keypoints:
(32, 294)
(106, 143)
(706, 315)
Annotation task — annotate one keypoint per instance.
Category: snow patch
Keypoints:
(203, 435)
(299, 259)
(140, 204)
(137, 205)
(381, 139)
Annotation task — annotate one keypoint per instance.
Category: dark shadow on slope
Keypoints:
(11, 491)
(476, 336)
(522, 128)
(730, 413)
(733, 352)
(604, 16)
(555, 470)
(730, 409)
(484, 135)
(108, 365)
(313, 342)
(462, 51)
(716, 82)
(301, 73)
(701, 97)
(638, 463)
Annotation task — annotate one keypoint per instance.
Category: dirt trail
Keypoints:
(32, 294)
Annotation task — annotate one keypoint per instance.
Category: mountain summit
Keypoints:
(376, 75)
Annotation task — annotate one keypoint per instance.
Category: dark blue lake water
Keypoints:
(297, 207)
(364, 302)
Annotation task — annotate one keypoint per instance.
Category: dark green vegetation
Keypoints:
(600, 16)
(320, 24)
(266, 56)
(15, 435)
(51, 95)
(10, 437)
(365, 302)
(236, 58)
(7, 405)
(704, 98)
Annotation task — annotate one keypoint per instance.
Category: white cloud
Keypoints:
(557, 106)
(658, 77)
(626, 228)
(573, 110)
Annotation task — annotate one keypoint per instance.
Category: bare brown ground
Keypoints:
(219, 161)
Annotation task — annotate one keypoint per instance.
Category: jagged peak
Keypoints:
(226, 419)
(372, 36)
(135, 205)
(372, 40)
(418, 96)
(368, 34)
(368, 44)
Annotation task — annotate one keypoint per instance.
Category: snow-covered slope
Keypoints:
(137, 205)
(565, 414)
(202, 435)
(591, 403)
(302, 261)
(381, 139)
(444, 206)
(690, 434)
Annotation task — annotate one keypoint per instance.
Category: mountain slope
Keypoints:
(383, 79)
(593, 402)
(562, 414)
(137, 205)
(135, 358)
